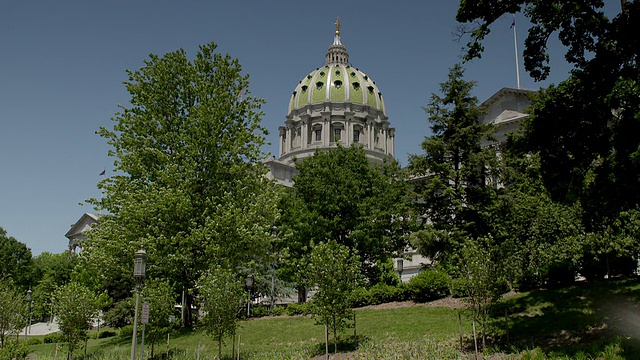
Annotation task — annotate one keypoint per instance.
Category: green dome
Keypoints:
(337, 82)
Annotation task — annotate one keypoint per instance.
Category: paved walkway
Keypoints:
(41, 329)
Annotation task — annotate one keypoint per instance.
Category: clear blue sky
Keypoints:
(63, 63)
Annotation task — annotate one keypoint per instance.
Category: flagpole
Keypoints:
(515, 44)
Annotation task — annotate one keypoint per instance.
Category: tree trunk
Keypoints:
(220, 348)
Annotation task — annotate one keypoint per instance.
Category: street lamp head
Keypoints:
(29, 292)
(249, 281)
(140, 265)
(274, 230)
(400, 265)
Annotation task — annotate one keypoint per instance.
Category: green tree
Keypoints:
(536, 240)
(188, 182)
(340, 195)
(161, 299)
(581, 127)
(481, 278)
(455, 177)
(49, 271)
(334, 272)
(15, 261)
(12, 311)
(74, 306)
(222, 296)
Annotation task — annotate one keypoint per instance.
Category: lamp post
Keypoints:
(274, 233)
(249, 284)
(29, 302)
(400, 267)
(139, 270)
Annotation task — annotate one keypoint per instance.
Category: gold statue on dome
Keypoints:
(337, 23)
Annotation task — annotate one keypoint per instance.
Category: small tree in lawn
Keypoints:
(481, 278)
(75, 306)
(222, 296)
(335, 273)
(159, 295)
(12, 310)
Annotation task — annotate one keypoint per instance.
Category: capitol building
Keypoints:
(337, 104)
(340, 105)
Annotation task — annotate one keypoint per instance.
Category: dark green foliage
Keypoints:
(14, 350)
(298, 309)
(15, 261)
(119, 314)
(428, 285)
(106, 334)
(53, 338)
(382, 293)
(33, 341)
(341, 196)
(455, 177)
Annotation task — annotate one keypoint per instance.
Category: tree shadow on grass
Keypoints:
(581, 319)
(345, 344)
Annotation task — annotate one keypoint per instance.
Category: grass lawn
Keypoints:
(587, 321)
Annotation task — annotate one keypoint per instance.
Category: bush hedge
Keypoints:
(429, 285)
(53, 338)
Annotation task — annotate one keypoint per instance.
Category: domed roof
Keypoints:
(337, 81)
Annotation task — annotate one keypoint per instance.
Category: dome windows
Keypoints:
(304, 88)
(321, 73)
(353, 74)
(337, 84)
(356, 85)
(319, 85)
(337, 72)
(370, 88)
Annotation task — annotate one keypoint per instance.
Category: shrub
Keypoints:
(458, 288)
(259, 311)
(298, 309)
(34, 341)
(277, 311)
(126, 331)
(360, 297)
(106, 334)
(14, 350)
(429, 285)
(53, 338)
(382, 293)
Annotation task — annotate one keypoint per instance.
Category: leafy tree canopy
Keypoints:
(188, 182)
(456, 175)
(580, 127)
(15, 261)
(341, 196)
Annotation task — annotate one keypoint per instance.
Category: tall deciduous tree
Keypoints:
(334, 271)
(580, 127)
(75, 306)
(222, 297)
(455, 177)
(339, 195)
(188, 180)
